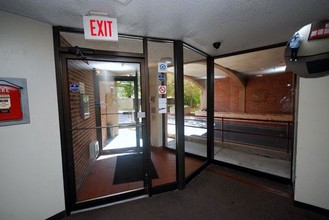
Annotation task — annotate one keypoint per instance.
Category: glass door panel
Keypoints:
(121, 104)
(106, 134)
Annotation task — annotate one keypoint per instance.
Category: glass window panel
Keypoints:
(125, 44)
(253, 108)
(163, 131)
(195, 105)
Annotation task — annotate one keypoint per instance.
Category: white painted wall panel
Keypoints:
(312, 156)
(31, 180)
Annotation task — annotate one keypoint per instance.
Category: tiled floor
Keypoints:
(99, 182)
(100, 179)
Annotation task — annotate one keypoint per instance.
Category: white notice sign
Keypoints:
(82, 88)
(162, 105)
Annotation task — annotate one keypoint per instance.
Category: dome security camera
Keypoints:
(216, 45)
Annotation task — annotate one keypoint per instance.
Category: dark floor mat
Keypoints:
(129, 168)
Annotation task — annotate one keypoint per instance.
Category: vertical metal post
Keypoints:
(136, 109)
(98, 111)
(210, 107)
(179, 114)
(146, 121)
(288, 136)
(222, 129)
(164, 121)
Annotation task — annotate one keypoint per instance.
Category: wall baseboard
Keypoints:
(58, 216)
(313, 208)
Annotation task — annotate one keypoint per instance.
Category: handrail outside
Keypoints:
(274, 123)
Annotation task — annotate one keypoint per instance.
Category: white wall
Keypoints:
(31, 180)
(312, 151)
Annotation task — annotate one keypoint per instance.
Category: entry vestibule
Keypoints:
(114, 105)
(128, 117)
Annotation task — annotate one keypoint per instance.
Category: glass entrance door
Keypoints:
(106, 127)
(120, 114)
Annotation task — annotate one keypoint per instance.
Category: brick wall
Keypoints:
(226, 95)
(78, 71)
(269, 94)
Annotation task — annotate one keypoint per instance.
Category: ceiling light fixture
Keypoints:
(97, 13)
(123, 2)
(166, 60)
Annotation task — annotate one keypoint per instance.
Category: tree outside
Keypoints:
(125, 89)
(192, 93)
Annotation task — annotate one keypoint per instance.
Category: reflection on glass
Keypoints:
(195, 106)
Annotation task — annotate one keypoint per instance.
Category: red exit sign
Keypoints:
(100, 28)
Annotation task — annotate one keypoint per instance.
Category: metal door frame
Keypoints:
(65, 122)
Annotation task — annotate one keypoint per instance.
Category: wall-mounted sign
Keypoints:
(161, 77)
(162, 105)
(162, 90)
(100, 28)
(319, 30)
(74, 87)
(162, 67)
(14, 108)
(82, 88)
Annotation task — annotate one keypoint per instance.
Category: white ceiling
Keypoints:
(261, 62)
(238, 24)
